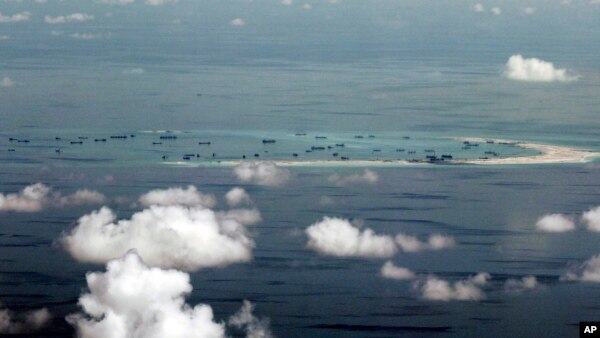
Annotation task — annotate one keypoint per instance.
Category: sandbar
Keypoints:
(547, 154)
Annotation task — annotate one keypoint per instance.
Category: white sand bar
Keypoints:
(548, 154)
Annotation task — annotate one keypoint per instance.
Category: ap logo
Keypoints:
(589, 329)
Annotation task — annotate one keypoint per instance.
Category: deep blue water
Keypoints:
(490, 212)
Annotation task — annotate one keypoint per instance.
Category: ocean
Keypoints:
(366, 90)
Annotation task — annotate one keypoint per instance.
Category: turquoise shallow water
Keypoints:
(155, 147)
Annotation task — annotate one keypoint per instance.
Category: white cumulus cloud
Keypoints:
(253, 326)
(131, 299)
(261, 173)
(82, 196)
(18, 17)
(32, 321)
(337, 237)
(238, 22)
(89, 36)
(478, 8)
(237, 196)
(367, 176)
(164, 236)
(589, 271)
(435, 242)
(591, 218)
(159, 2)
(243, 216)
(31, 199)
(134, 71)
(117, 2)
(496, 10)
(391, 271)
(189, 196)
(433, 288)
(75, 17)
(535, 70)
(36, 197)
(520, 285)
(555, 223)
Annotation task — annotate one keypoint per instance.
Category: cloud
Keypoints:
(134, 71)
(31, 199)
(337, 237)
(132, 299)
(83, 196)
(287, 2)
(36, 197)
(529, 10)
(117, 2)
(75, 17)
(159, 2)
(188, 238)
(261, 173)
(7, 82)
(237, 196)
(243, 216)
(238, 22)
(589, 271)
(520, 285)
(478, 8)
(33, 321)
(389, 270)
(254, 327)
(307, 6)
(591, 218)
(535, 70)
(367, 177)
(555, 223)
(2, 38)
(496, 10)
(435, 242)
(439, 242)
(433, 288)
(19, 17)
(89, 36)
(177, 196)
